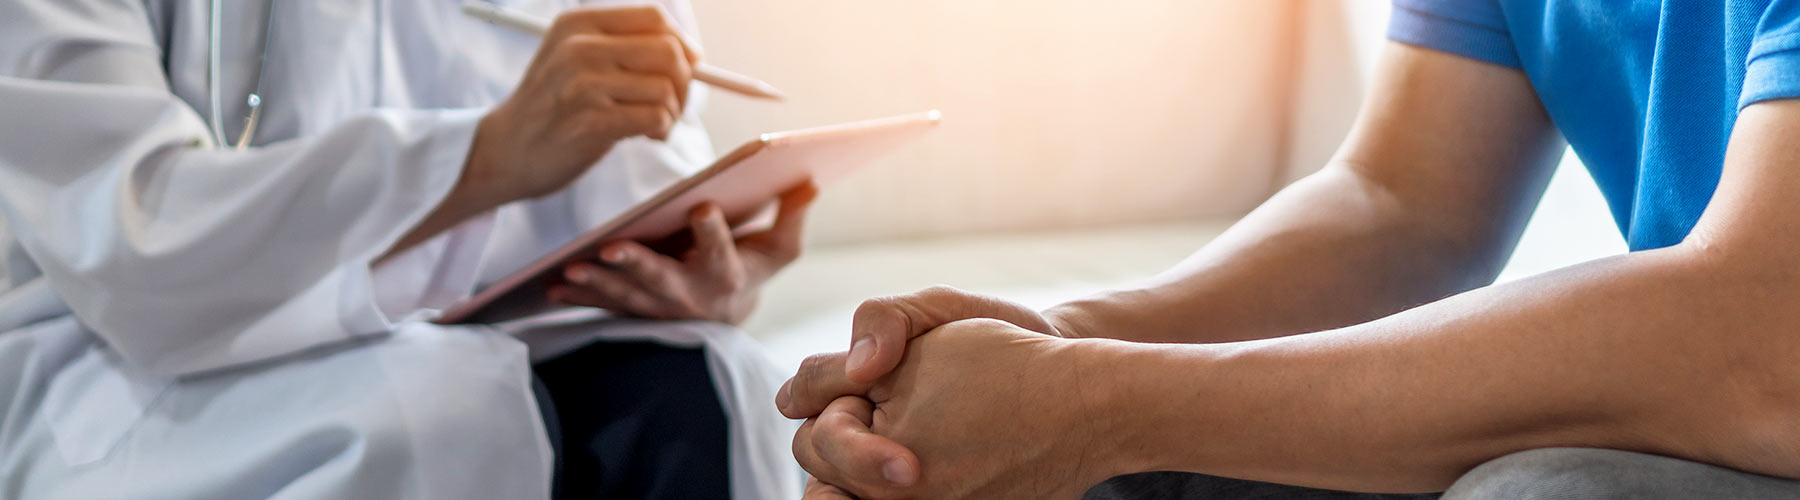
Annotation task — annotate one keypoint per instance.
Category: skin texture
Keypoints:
(1685, 351)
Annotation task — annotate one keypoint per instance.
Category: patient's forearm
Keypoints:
(1332, 250)
(1421, 202)
(1667, 351)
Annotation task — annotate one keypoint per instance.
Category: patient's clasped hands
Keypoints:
(947, 394)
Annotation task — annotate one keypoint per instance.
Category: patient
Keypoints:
(1346, 336)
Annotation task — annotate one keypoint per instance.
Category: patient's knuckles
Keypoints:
(875, 309)
(809, 382)
(940, 292)
(804, 450)
(966, 327)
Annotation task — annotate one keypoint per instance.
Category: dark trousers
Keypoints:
(1185, 486)
(635, 420)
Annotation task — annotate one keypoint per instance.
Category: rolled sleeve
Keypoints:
(1773, 70)
(1470, 28)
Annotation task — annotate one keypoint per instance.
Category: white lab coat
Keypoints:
(182, 321)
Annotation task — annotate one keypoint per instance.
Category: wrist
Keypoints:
(1106, 411)
(484, 178)
(1071, 320)
(1133, 395)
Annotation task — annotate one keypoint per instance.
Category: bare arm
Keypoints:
(1426, 198)
(1686, 351)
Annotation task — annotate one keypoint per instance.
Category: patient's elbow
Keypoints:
(1742, 297)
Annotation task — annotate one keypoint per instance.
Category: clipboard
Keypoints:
(742, 183)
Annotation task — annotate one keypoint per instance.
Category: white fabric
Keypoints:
(179, 321)
(424, 412)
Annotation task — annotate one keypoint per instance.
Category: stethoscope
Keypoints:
(214, 89)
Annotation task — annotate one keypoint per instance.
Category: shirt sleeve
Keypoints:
(1475, 29)
(1772, 68)
(181, 257)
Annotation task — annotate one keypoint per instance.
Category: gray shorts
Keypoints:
(1547, 474)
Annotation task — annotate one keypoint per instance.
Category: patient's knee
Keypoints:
(1577, 473)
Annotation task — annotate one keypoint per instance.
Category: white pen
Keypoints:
(712, 75)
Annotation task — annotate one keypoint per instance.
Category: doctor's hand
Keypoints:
(979, 409)
(879, 333)
(717, 279)
(601, 75)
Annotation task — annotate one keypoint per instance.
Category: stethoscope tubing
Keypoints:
(216, 91)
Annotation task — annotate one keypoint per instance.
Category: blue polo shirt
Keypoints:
(1645, 91)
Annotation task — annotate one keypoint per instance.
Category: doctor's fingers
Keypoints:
(622, 120)
(645, 268)
(715, 254)
(650, 55)
(592, 286)
(838, 448)
(781, 244)
(649, 19)
(611, 90)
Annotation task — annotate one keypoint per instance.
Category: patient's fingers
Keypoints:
(820, 380)
(863, 457)
(839, 449)
(882, 326)
(818, 490)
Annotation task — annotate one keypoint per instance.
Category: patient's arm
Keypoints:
(1426, 198)
(1686, 351)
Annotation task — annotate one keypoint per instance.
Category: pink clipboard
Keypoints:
(741, 183)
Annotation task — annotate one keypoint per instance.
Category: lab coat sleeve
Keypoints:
(181, 257)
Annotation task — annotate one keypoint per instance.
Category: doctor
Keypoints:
(225, 223)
